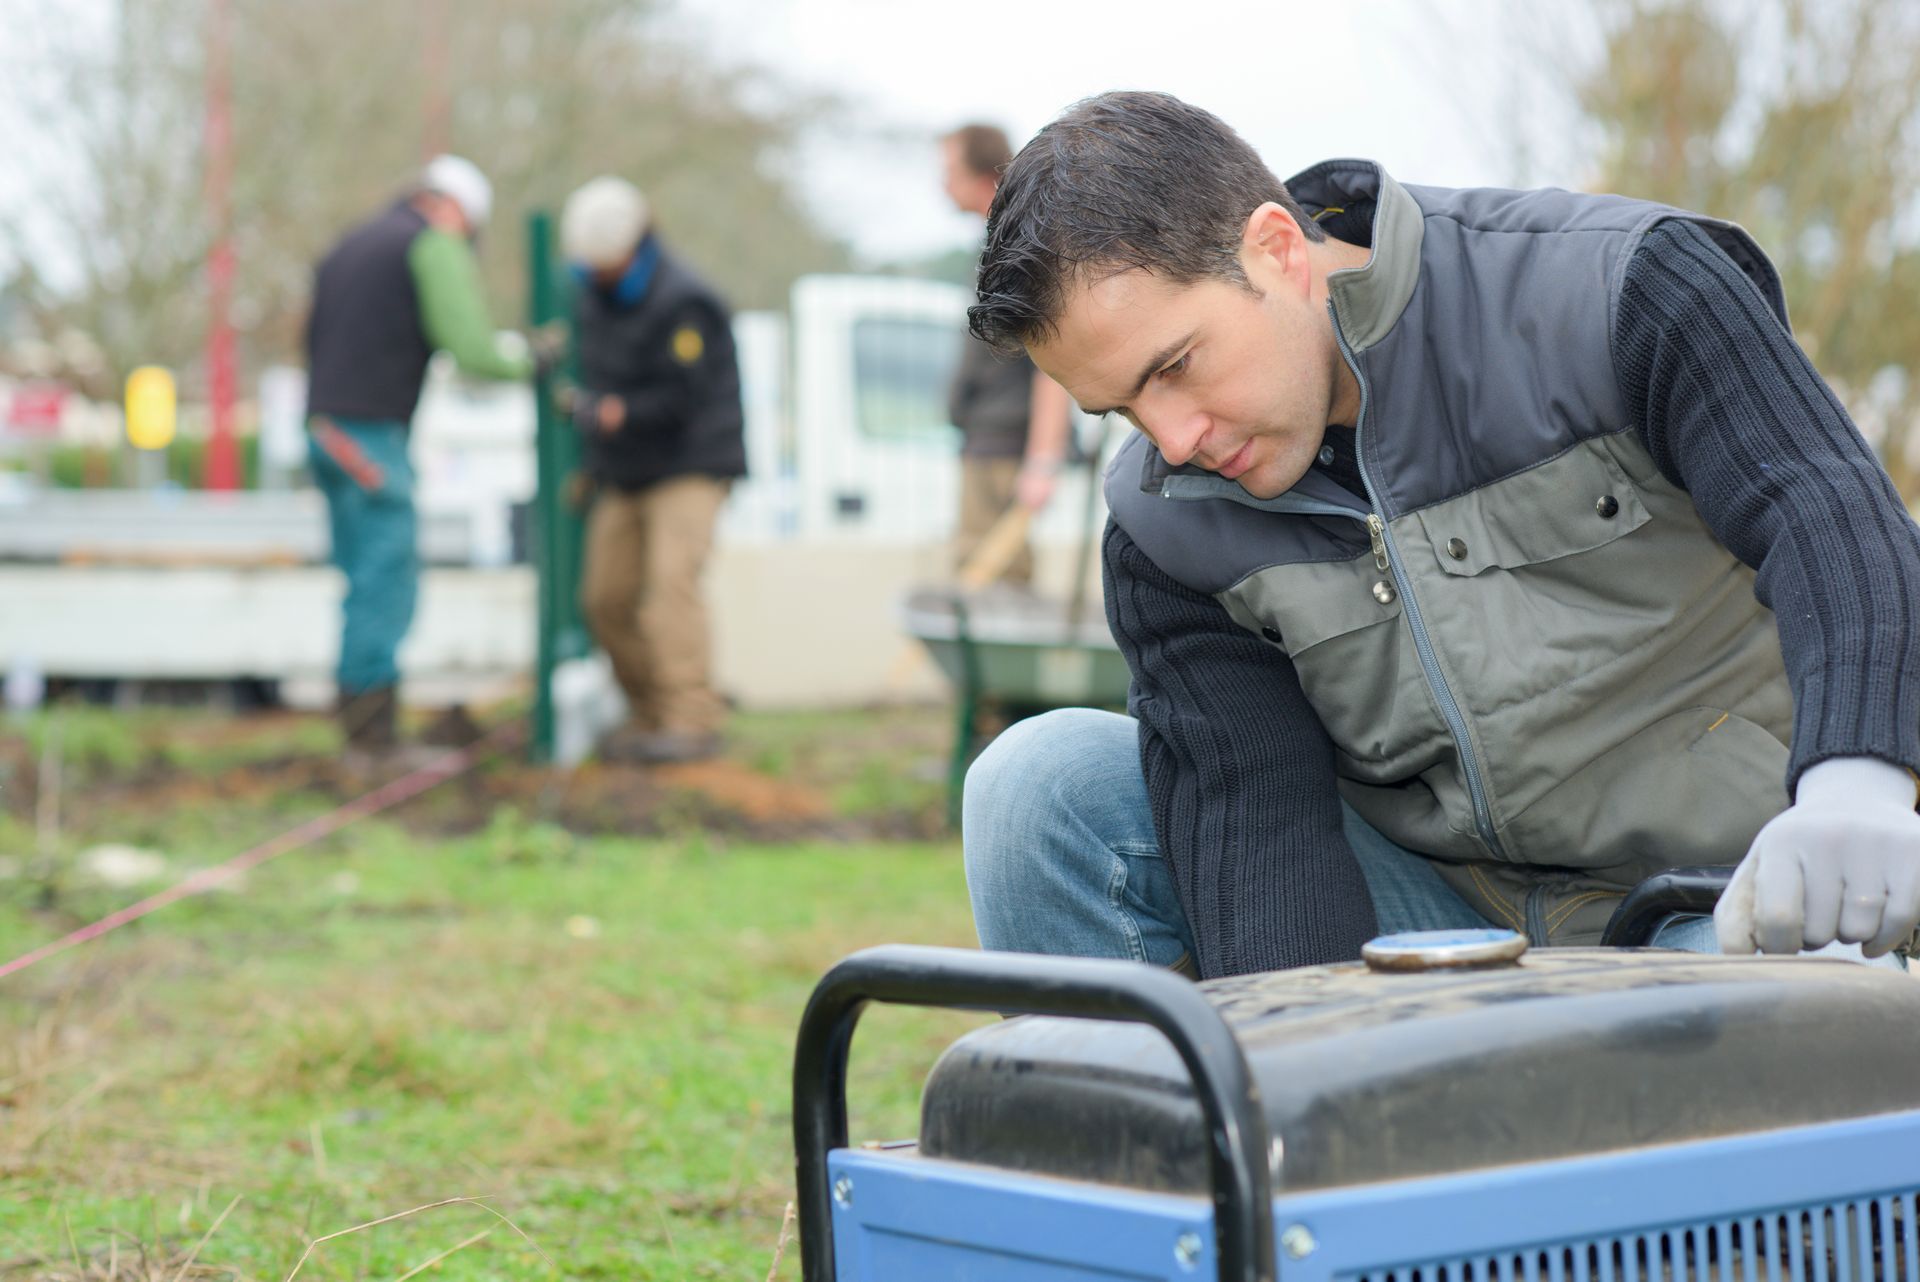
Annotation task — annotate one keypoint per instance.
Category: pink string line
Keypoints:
(433, 773)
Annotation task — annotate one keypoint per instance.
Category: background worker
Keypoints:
(1013, 419)
(392, 290)
(660, 415)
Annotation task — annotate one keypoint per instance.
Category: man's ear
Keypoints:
(1273, 249)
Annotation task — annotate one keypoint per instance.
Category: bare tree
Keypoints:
(1798, 119)
(110, 240)
(335, 104)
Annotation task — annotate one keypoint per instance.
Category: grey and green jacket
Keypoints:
(391, 292)
(1520, 627)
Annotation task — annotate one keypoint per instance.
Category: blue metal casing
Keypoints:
(1836, 1202)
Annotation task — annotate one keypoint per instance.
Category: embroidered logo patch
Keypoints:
(687, 345)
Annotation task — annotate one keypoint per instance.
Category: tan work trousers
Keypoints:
(641, 594)
(987, 493)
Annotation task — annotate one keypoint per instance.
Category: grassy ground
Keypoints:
(477, 998)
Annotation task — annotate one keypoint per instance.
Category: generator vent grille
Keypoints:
(1871, 1240)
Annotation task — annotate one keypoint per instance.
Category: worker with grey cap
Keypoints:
(659, 413)
(391, 292)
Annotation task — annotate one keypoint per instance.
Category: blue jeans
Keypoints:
(1062, 856)
(374, 545)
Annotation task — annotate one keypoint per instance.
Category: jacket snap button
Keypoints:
(1607, 506)
(1271, 634)
(1457, 549)
(1383, 592)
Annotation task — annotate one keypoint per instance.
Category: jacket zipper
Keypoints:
(1386, 556)
(1537, 917)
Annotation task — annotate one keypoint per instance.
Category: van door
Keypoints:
(873, 359)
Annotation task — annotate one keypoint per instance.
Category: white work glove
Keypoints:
(1841, 863)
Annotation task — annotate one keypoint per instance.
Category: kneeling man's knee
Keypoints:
(1056, 822)
(1027, 765)
(1025, 784)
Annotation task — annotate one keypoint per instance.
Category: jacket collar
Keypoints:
(1315, 494)
(1367, 301)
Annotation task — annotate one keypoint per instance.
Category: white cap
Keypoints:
(602, 223)
(461, 181)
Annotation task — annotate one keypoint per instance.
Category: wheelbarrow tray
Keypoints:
(1024, 648)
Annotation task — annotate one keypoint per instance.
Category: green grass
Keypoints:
(108, 739)
(591, 1031)
(874, 760)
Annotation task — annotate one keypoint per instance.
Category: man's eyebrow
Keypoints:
(1154, 363)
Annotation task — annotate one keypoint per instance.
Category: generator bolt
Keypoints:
(1297, 1242)
(1186, 1250)
(843, 1191)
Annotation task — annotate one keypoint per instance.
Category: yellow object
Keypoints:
(997, 548)
(151, 408)
(687, 345)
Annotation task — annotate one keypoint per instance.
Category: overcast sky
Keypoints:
(1392, 80)
(1424, 86)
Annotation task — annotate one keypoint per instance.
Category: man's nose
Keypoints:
(1180, 436)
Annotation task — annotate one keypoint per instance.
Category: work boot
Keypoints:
(453, 728)
(368, 719)
(622, 745)
(631, 745)
(370, 722)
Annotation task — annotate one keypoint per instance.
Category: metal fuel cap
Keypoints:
(1444, 950)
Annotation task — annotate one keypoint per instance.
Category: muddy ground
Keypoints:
(860, 775)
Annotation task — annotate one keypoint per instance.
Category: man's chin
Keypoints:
(1264, 482)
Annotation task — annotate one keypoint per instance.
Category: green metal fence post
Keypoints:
(558, 532)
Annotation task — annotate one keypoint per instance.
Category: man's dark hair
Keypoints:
(1121, 181)
(984, 149)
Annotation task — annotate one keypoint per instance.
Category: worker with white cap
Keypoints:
(660, 415)
(391, 292)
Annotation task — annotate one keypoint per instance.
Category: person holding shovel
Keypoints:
(391, 292)
(1013, 420)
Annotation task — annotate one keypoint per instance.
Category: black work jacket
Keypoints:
(670, 357)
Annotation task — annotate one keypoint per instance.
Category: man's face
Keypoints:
(1238, 382)
(606, 279)
(971, 193)
(445, 213)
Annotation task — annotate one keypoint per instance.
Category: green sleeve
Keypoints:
(452, 309)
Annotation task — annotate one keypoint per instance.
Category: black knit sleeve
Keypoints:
(1239, 771)
(1733, 411)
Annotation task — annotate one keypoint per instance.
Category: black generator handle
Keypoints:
(1677, 890)
(1026, 984)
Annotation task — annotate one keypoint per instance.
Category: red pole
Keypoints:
(223, 461)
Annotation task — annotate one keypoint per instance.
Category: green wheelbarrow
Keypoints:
(1016, 654)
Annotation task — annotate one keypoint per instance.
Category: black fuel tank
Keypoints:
(1368, 1076)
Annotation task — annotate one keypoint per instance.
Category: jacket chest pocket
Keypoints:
(1532, 581)
(1301, 608)
(1575, 503)
(1340, 623)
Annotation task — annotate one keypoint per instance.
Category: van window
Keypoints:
(901, 373)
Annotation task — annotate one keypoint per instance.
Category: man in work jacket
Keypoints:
(392, 291)
(1481, 553)
(660, 414)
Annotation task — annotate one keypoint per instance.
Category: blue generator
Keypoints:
(1453, 1109)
